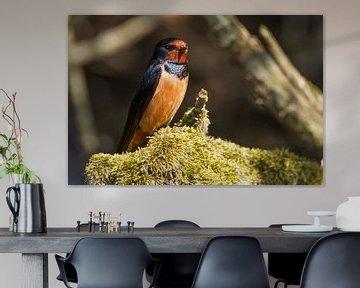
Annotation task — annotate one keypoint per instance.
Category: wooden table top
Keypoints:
(158, 240)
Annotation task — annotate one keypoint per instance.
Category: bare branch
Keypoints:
(273, 81)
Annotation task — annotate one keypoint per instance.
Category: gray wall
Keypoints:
(33, 62)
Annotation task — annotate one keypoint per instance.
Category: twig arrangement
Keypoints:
(12, 161)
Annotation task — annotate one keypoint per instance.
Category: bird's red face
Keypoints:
(176, 51)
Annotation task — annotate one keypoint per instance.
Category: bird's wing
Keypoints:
(146, 91)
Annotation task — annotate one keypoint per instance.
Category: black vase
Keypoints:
(28, 208)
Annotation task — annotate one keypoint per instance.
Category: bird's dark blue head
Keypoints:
(173, 50)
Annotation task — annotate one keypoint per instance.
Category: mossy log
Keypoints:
(183, 155)
(273, 81)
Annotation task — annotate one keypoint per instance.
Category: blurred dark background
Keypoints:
(101, 87)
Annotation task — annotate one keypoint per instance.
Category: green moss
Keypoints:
(197, 116)
(184, 155)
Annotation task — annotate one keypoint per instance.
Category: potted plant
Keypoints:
(11, 158)
(25, 197)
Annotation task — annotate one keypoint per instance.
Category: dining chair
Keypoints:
(231, 262)
(108, 263)
(333, 262)
(70, 271)
(178, 269)
(285, 267)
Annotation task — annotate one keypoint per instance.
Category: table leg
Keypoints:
(35, 270)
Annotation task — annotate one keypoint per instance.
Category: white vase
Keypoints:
(348, 214)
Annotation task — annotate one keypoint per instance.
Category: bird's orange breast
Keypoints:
(167, 98)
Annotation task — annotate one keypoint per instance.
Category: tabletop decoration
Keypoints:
(348, 214)
(25, 197)
(315, 227)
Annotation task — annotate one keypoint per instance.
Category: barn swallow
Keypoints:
(161, 91)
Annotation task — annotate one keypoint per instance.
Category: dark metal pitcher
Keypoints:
(28, 207)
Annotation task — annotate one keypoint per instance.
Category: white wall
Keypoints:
(33, 62)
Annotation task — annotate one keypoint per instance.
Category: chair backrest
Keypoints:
(178, 269)
(286, 267)
(232, 262)
(333, 262)
(176, 224)
(110, 262)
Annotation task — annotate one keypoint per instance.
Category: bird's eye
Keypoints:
(168, 47)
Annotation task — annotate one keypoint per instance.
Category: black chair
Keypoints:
(70, 273)
(232, 262)
(69, 269)
(108, 263)
(178, 269)
(333, 262)
(286, 267)
(176, 224)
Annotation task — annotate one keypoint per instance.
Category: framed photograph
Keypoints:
(195, 100)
